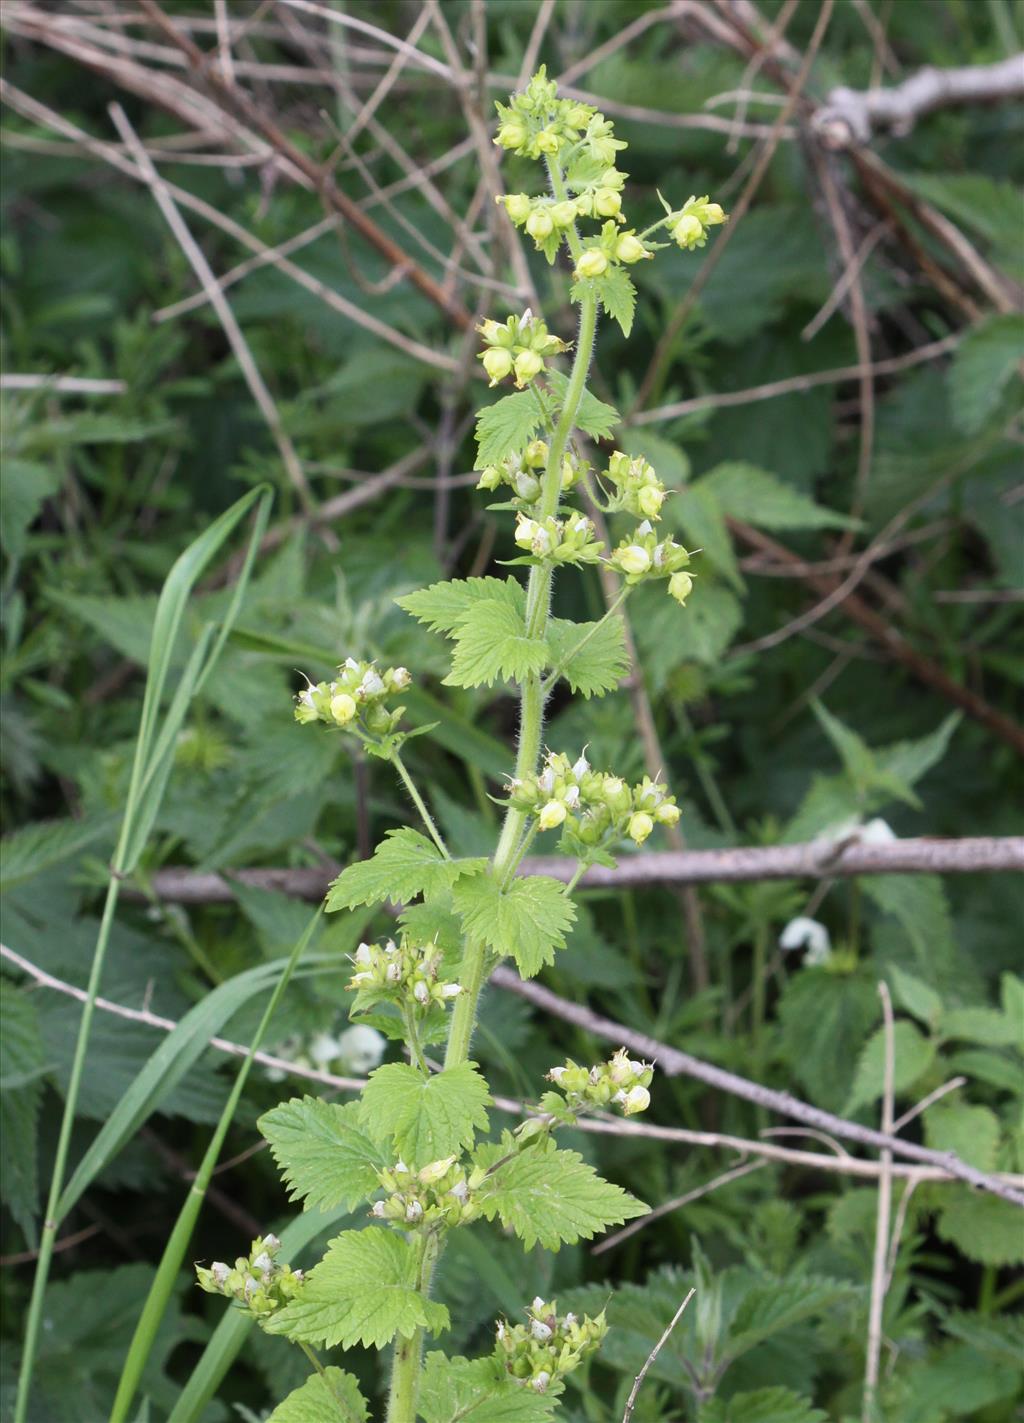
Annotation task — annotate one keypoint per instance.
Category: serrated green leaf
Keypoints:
(42, 845)
(983, 1227)
(769, 1307)
(491, 644)
(981, 369)
(825, 1019)
(472, 1391)
(528, 920)
(696, 512)
(763, 1405)
(425, 1118)
(505, 427)
(330, 1397)
(600, 665)
(743, 491)
(404, 865)
(27, 486)
(22, 1063)
(859, 760)
(913, 1054)
(705, 627)
(971, 1132)
(916, 996)
(443, 606)
(988, 1026)
(362, 1292)
(596, 418)
(618, 297)
(322, 1152)
(550, 1195)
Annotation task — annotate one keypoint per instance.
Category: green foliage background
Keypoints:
(100, 494)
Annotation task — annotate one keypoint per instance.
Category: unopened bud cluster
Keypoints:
(593, 808)
(569, 539)
(688, 226)
(547, 1347)
(517, 348)
(405, 973)
(256, 1281)
(636, 488)
(439, 1194)
(355, 698)
(642, 555)
(622, 1082)
(524, 472)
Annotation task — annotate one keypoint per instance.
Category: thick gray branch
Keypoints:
(817, 860)
(849, 116)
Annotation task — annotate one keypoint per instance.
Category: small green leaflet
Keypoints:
(362, 1292)
(549, 1195)
(746, 492)
(617, 294)
(914, 1054)
(403, 865)
(491, 643)
(527, 920)
(505, 427)
(330, 1397)
(443, 606)
(981, 1226)
(600, 665)
(598, 419)
(325, 1157)
(472, 1391)
(765, 1405)
(425, 1118)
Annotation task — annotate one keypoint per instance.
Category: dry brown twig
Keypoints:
(638, 1381)
(881, 1254)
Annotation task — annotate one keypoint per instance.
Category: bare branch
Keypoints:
(63, 385)
(637, 1382)
(878, 1268)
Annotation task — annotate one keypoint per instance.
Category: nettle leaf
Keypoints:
(916, 996)
(362, 1292)
(707, 625)
(596, 418)
(528, 920)
(550, 1195)
(22, 1065)
(425, 1118)
(744, 491)
(769, 1307)
(506, 427)
(971, 1132)
(403, 865)
(764, 1405)
(981, 1025)
(617, 295)
(600, 665)
(981, 369)
(825, 1018)
(696, 512)
(322, 1152)
(443, 606)
(982, 1227)
(330, 1397)
(913, 1054)
(491, 644)
(473, 1391)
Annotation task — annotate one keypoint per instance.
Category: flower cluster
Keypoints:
(357, 1050)
(257, 1282)
(566, 540)
(523, 472)
(543, 1350)
(637, 489)
(405, 973)
(641, 555)
(518, 348)
(593, 808)
(688, 226)
(439, 1194)
(622, 1081)
(355, 698)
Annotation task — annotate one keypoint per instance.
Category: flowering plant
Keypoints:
(413, 1151)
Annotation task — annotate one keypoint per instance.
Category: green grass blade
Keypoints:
(174, 1252)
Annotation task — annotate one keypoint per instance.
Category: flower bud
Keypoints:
(578, 116)
(634, 560)
(593, 263)
(343, 708)
(547, 141)
(490, 478)
(528, 365)
(711, 214)
(637, 1099)
(401, 678)
(640, 826)
(552, 815)
(536, 454)
(680, 586)
(497, 363)
(539, 224)
(650, 498)
(527, 486)
(631, 249)
(688, 231)
(431, 1174)
(562, 214)
(518, 207)
(607, 202)
(511, 135)
(667, 815)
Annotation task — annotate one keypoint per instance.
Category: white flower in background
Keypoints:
(361, 1048)
(323, 1049)
(809, 934)
(877, 832)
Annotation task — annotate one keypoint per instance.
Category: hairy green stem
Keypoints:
(405, 1369)
(556, 672)
(419, 803)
